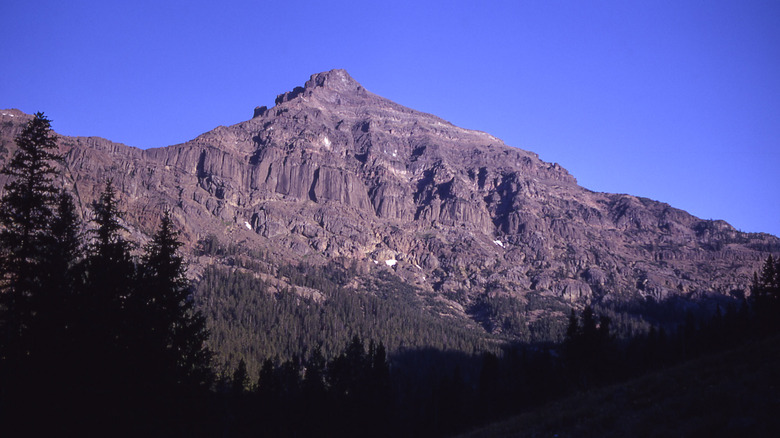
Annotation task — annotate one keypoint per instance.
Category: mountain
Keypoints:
(334, 174)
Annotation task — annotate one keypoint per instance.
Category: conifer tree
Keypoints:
(109, 282)
(765, 294)
(313, 384)
(573, 329)
(109, 245)
(572, 341)
(67, 249)
(770, 281)
(267, 383)
(240, 378)
(61, 278)
(111, 271)
(589, 329)
(26, 212)
(175, 329)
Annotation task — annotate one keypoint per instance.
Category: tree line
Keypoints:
(251, 320)
(349, 395)
(91, 335)
(435, 392)
(96, 340)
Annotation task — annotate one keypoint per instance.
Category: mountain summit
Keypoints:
(338, 81)
(335, 174)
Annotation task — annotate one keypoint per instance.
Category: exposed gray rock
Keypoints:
(334, 171)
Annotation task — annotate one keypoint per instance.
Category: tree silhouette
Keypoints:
(240, 380)
(26, 213)
(173, 327)
(38, 249)
(315, 406)
(109, 283)
(588, 346)
(62, 283)
(765, 294)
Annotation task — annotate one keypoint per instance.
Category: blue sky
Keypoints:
(677, 101)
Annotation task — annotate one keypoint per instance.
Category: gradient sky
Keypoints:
(677, 101)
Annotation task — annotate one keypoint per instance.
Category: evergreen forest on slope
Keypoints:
(101, 337)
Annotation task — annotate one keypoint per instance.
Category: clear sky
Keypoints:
(678, 101)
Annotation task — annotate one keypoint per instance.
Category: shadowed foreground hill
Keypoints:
(735, 394)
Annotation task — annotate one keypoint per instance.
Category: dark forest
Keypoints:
(100, 337)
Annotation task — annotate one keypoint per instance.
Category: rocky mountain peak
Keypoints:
(333, 86)
(337, 80)
(337, 174)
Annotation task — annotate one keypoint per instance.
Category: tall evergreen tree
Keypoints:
(108, 244)
(175, 328)
(61, 278)
(109, 282)
(240, 378)
(67, 248)
(589, 329)
(765, 294)
(33, 319)
(26, 212)
(571, 343)
(770, 280)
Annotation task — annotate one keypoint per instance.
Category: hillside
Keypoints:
(483, 232)
(733, 393)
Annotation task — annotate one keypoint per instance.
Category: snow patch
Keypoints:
(376, 262)
(418, 266)
(399, 171)
(249, 227)
(391, 262)
(499, 243)
(326, 142)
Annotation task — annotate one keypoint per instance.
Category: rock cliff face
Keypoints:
(334, 172)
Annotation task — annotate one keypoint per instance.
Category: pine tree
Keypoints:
(770, 281)
(589, 329)
(240, 378)
(174, 327)
(109, 282)
(61, 278)
(32, 314)
(572, 342)
(109, 245)
(267, 382)
(316, 409)
(67, 249)
(573, 329)
(110, 265)
(26, 212)
(765, 294)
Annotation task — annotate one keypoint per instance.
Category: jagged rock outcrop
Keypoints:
(336, 172)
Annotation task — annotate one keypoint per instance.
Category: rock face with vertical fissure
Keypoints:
(334, 172)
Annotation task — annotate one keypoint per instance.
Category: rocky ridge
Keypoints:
(334, 172)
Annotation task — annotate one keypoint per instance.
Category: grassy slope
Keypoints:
(735, 393)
